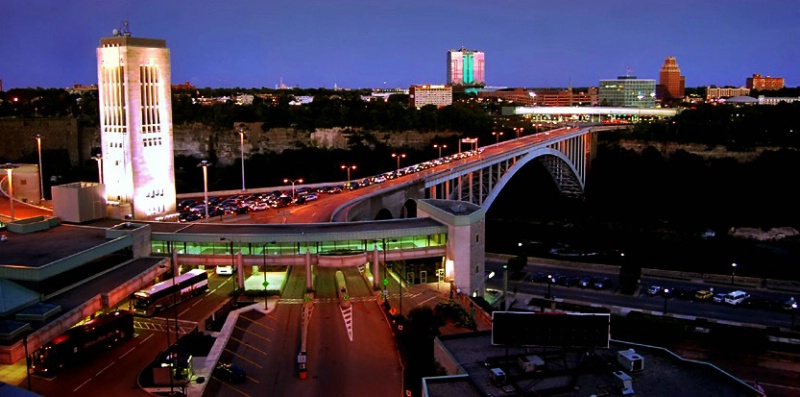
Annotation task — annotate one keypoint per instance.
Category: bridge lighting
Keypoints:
(398, 156)
(348, 168)
(293, 182)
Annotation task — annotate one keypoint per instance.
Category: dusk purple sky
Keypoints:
(392, 43)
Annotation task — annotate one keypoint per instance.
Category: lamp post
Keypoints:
(233, 264)
(497, 136)
(41, 174)
(440, 148)
(99, 159)
(666, 296)
(348, 168)
(264, 253)
(9, 171)
(292, 182)
(205, 164)
(549, 286)
(505, 287)
(242, 131)
(794, 309)
(518, 130)
(398, 156)
(385, 279)
(733, 272)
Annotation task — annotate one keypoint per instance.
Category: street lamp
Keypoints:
(666, 296)
(398, 156)
(549, 286)
(205, 164)
(348, 168)
(293, 182)
(242, 131)
(233, 265)
(497, 136)
(264, 253)
(99, 159)
(518, 130)
(440, 148)
(41, 174)
(9, 170)
(733, 272)
(794, 309)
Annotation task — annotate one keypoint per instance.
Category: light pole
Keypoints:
(41, 174)
(99, 159)
(549, 286)
(440, 148)
(242, 131)
(205, 164)
(794, 309)
(233, 265)
(398, 156)
(505, 287)
(348, 168)
(497, 136)
(292, 182)
(264, 253)
(733, 272)
(518, 130)
(666, 296)
(9, 170)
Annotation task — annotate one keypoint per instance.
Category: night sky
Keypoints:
(391, 43)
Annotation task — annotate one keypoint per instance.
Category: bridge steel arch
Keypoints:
(567, 161)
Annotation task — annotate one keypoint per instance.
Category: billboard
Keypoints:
(551, 329)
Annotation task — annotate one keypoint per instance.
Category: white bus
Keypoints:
(170, 292)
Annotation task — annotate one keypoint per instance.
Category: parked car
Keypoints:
(311, 197)
(719, 297)
(230, 373)
(586, 281)
(539, 277)
(790, 304)
(736, 297)
(703, 295)
(602, 283)
(654, 290)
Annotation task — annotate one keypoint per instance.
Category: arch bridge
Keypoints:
(478, 178)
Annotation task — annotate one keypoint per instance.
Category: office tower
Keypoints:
(465, 68)
(627, 91)
(764, 83)
(671, 82)
(421, 95)
(134, 86)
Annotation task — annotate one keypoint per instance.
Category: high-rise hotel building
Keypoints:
(764, 83)
(133, 76)
(671, 85)
(465, 68)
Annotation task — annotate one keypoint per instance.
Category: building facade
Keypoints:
(465, 68)
(764, 83)
(439, 95)
(713, 93)
(628, 91)
(672, 84)
(544, 96)
(135, 98)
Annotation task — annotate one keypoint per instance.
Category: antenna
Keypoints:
(124, 30)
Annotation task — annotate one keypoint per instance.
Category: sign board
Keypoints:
(548, 329)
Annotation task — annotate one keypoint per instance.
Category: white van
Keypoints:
(224, 270)
(736, 297)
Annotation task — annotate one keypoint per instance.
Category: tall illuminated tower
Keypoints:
(465, 68)
(670, 79)
(133, 77)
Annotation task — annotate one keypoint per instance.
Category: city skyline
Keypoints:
(394, 44)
